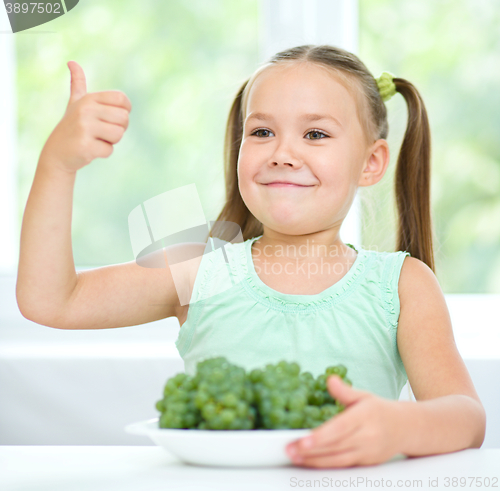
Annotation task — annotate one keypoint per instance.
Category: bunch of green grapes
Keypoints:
(222, 396)
(178, 408)
(218, 397)
(289, 399)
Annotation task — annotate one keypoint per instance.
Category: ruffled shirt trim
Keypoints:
(284, 302)
(391, 292)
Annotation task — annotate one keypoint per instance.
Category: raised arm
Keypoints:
(48, 290)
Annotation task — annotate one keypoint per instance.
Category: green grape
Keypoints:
(329, 411)
(243, 409)
(306, 376)
(216, 423)
(297, 401)
(201, 398)
(277, 416)
(293, 369)
(320, 383)
(190, 420)
(230, 399)
(312, 412)
(227, 416)
(295, 419)
(255, 375)
(247, 425)
(209, 411)
(340, 370)
(317, 398)
(278, 400)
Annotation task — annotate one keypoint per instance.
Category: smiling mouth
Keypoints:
(285, 185)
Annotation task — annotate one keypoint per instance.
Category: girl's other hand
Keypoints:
(91, 125)
(365, 433)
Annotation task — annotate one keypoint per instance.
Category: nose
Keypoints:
(285, 155)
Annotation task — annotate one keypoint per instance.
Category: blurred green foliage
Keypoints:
(181, 63)
(450, 50)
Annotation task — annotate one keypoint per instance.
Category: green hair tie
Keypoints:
(386, 86)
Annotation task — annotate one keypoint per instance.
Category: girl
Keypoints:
(304, 133)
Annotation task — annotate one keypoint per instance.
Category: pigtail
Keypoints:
(412, 180)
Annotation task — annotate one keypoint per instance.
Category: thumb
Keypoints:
(343, 392)
(78, 82)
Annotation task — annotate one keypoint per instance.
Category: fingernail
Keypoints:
(292, 451)
(307, 442)
(298, 459)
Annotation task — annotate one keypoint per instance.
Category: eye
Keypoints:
(318, 133)
(257, 130)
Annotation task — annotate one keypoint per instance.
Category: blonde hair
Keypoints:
(412, 176)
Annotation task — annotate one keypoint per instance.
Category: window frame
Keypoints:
(9, 251)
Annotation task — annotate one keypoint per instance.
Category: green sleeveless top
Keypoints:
(233, 313)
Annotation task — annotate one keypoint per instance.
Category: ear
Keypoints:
(376, 163)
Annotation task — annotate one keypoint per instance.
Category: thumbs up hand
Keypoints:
(91, 125)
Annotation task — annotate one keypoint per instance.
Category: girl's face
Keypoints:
(281, 143)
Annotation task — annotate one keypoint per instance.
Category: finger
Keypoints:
(113, 98)
(113, 114)
(110, 133)
(78, 87)
(332, 430)
(331, 450)
(348, 440)
(343, 392)
(104, 149)
(347, 458)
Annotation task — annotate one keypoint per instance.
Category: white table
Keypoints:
(127, 468)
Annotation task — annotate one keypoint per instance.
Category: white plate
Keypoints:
(224, 448)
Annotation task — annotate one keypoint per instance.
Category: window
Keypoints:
(181, 62)
(449, 55)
